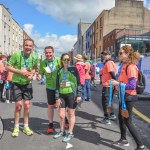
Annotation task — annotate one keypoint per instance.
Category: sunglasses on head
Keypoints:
(66, 59)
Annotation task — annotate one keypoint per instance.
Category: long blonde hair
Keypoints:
(133, 56)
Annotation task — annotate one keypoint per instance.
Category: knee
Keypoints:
(62, 115)
(71, 113)
(18, 107)
(26, 104)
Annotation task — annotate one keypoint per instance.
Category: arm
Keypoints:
(18, 71)
(112, 75)
(131, 84)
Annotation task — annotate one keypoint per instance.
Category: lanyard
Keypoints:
(65, 75)
(110, 93)
(51, 66)
(119, 70)
(26, 61)
(122, 90)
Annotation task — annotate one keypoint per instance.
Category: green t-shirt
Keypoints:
(53, 67)
(18, 61)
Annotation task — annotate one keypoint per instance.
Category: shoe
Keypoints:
(12, 102)
(112, 116)
(50, 128)
(15, 132)
(144, 148)
(27, 131)
(121, 143)
(68, 137)
(106, 121)
(59, 134)
(7, 101)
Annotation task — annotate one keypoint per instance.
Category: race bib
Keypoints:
(1, 81)
(47, 69)
(63, 84)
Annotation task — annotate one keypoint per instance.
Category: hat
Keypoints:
(106, 52)
(78, 57)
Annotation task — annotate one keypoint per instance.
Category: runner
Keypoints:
(23, 65)
(49, 68)
(68, 94)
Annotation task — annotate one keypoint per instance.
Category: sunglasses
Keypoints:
(120, 53)
(66, 59)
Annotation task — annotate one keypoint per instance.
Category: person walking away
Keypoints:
(87, 87)
(128, 75)
(68, 94)
(80, 65)
(3, 76)
(108, 72)
(23, 65)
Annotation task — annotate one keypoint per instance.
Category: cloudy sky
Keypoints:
(54, 22)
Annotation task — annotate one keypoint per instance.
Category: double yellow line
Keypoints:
(145, 118)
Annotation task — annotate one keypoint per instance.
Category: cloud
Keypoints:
(71, 11)
(61, 44)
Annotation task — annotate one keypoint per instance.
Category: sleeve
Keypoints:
(12, 60)
(35, 62)
(42, 71)
(131, 84)
(132, 71)
(79, 88)
(57, 86)
(110, 66)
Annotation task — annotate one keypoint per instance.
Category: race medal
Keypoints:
(63, 84)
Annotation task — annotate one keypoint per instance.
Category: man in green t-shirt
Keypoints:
(23, 65)
(49, 68)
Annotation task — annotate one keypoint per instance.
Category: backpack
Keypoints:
(140, 83)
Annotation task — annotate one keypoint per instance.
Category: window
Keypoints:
(100, 21)
(97, 24)
(100, 37)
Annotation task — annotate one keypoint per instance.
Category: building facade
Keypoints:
(17, 37)
(5, 30)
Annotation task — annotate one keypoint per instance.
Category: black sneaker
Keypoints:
(143, 148)
(121, 143)
(106, 121)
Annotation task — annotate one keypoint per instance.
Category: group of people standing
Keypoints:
(67, 86)
(127, 76)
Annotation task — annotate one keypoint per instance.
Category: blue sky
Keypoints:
(54, 22)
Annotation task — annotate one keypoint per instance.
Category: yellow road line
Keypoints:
(141, 115)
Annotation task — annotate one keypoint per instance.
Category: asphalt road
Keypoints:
(89, 133)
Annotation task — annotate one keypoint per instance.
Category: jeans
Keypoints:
(87, 90)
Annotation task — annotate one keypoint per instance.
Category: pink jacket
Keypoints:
(81, 69)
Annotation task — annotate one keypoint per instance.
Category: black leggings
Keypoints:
(127, 122)
(105, 99)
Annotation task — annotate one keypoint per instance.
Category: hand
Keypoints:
(58, 103)
(115, 83)
(38, 77)
(25, 73)
(78, 99)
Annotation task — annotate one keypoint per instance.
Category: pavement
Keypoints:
(89, 133)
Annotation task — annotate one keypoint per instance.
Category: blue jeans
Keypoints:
(87, 90)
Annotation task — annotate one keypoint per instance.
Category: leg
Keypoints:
(131, 127)
(18, 107)
(26, 111)
(50, 113)
(88, 90)
(71, 114)
(62, 114)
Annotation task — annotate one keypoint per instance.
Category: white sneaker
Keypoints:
(7, 101)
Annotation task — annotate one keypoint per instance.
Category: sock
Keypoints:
(50, 125)
(16, 125)
(25, 125)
